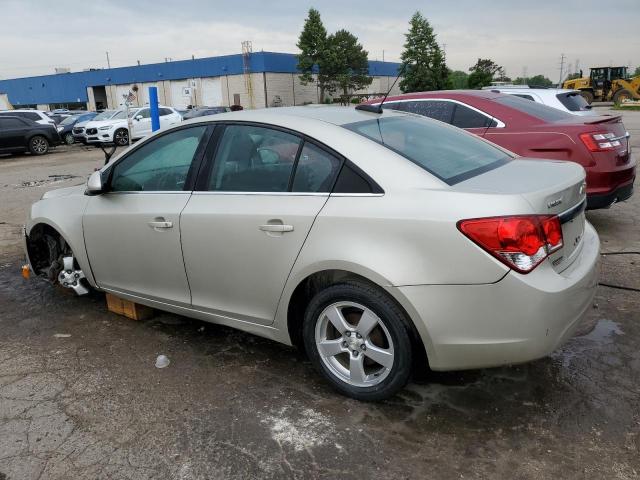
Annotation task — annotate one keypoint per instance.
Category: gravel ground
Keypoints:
(80, 396)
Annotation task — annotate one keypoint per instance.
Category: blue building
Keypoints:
(261, 79)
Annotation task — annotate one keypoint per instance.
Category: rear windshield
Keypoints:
(573, 101)
(538, 110)
(450, 154)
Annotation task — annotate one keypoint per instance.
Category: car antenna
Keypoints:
(378, 108)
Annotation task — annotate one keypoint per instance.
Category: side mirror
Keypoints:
(138, 117)
(94, 184)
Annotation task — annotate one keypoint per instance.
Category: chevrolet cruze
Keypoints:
(375, 241)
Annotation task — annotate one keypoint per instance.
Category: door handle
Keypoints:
(276, 227)
(156, 225)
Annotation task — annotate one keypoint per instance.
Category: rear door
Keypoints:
(244, 227)
(12, 133)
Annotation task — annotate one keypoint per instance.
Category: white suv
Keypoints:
(114, 130)
(570, 101)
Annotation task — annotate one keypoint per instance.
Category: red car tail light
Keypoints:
(521, 242)
(600, 142)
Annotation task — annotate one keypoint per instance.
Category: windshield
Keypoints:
(450, 154)
(106, 115)
(69, 121)
(119, 115)
(534, 109)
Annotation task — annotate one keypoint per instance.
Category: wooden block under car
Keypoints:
(129, 309)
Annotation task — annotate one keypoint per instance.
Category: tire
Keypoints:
(622, 95)
(346, 360)
(587, 95)
(68, 138)
(38, 145)
(121, 137)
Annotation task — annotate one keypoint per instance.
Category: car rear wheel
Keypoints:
(121, 137)
(358, 339)
(38, 145)
(68, 138)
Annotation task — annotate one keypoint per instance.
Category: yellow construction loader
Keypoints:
(606, 84)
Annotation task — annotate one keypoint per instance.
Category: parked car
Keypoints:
(37, 116)
(78, 129)
(374, 241)
(570, 101)
(599, 143)
(68, 124)
(114, 130)
(19, 135)
(202, 111)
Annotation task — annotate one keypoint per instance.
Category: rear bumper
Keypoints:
(517, 319)
(604, 200)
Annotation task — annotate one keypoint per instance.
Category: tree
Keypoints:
(483, 73)
(312, 44)
(423, 59)
(539, 81)
(637, 72)
(458, 80)
(345, 64)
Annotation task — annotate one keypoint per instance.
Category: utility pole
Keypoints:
(562, 57)
(578, 65)
(108, 62)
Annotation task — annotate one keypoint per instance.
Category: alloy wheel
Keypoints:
(39, 145)
(354, 344)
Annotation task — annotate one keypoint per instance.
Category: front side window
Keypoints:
(159, 165)
(436, 109)
(316, 170)
(254, 159)
(164, 111)
(448, 153)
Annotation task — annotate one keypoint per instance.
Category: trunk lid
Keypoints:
(551, 188)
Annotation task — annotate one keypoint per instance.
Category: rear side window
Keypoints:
(573, 101)
(534, 109)
(31, 116)
(316, 170)
(436, 109)
(164, 111)
(11, 123)
(450, 154)
(465, 117)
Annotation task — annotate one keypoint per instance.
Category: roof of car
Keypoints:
(329, 114)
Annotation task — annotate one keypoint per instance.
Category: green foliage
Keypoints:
(484, 72)
(539, 81)
(424, 60)
(340, 60)
(637, 72)
(345, 64)
(458, 80)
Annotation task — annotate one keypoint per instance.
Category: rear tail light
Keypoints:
(600, 142)
(521, 242)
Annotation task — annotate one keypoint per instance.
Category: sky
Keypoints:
(39, 35)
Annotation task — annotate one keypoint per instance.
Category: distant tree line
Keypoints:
(337, 62)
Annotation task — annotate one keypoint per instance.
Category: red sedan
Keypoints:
(600, 144)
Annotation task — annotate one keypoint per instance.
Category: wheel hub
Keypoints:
(70, 277)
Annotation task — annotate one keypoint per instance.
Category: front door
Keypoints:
(132, 233)
(243, 231)
(141, 124)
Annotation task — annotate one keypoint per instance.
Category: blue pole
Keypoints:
(153, 107)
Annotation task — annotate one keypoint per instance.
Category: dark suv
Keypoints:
(19, 135)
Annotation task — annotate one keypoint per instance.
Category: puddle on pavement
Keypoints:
(50, 180)
(603, 333)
